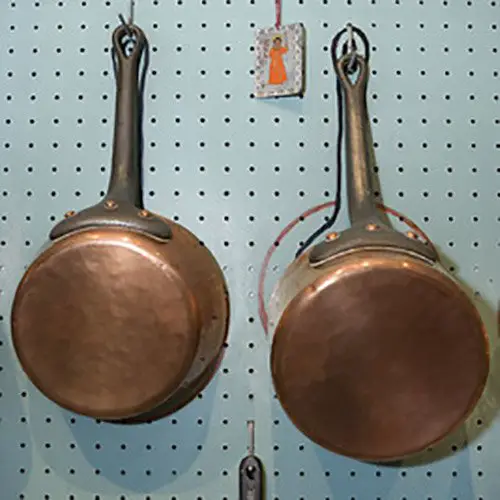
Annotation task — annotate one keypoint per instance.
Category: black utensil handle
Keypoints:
(251, 479)
(125, 182)
(362, 206)
(122, 206)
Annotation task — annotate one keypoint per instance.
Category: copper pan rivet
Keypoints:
(110, 204)
(332, 236)
(411, 235)
(144, 213)
(371, 227)
(69, 214)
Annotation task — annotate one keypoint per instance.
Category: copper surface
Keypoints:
(379, 357)
(111, 323)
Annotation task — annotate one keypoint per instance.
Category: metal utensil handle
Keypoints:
(122, 205)
(251, 478)
(251, 470)
(251, 436)
(125, 182)
(362, 206)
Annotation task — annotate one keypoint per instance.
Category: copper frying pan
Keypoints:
(377, 352)
(123, 316)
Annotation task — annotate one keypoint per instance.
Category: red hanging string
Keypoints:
(278, 14)
(265, 264)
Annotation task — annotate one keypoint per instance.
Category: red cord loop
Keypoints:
(265, 264)
(278, 14)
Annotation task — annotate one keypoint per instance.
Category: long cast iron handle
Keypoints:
(361, 203)
(125, 182)
(368, 228)
(122, 206)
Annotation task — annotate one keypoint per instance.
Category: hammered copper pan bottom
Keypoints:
(379, 358)
(106, 328)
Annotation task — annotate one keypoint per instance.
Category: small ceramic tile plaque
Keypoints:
(280, 60)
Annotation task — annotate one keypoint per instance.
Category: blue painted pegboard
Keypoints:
(235, 170)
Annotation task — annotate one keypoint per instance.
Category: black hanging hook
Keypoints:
(350, 46)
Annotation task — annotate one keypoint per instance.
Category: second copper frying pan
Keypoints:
(124, 315)
(377, 352)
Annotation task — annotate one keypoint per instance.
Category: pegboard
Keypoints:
(235, 170)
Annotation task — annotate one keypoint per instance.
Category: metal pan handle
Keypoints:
(125, 182)
(369, 229)
(362, 206)
(123, 206)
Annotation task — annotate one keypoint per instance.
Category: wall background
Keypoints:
(235, 170)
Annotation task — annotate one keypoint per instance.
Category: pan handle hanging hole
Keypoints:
(371, 227)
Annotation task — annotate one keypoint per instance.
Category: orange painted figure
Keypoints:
(277, 71)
